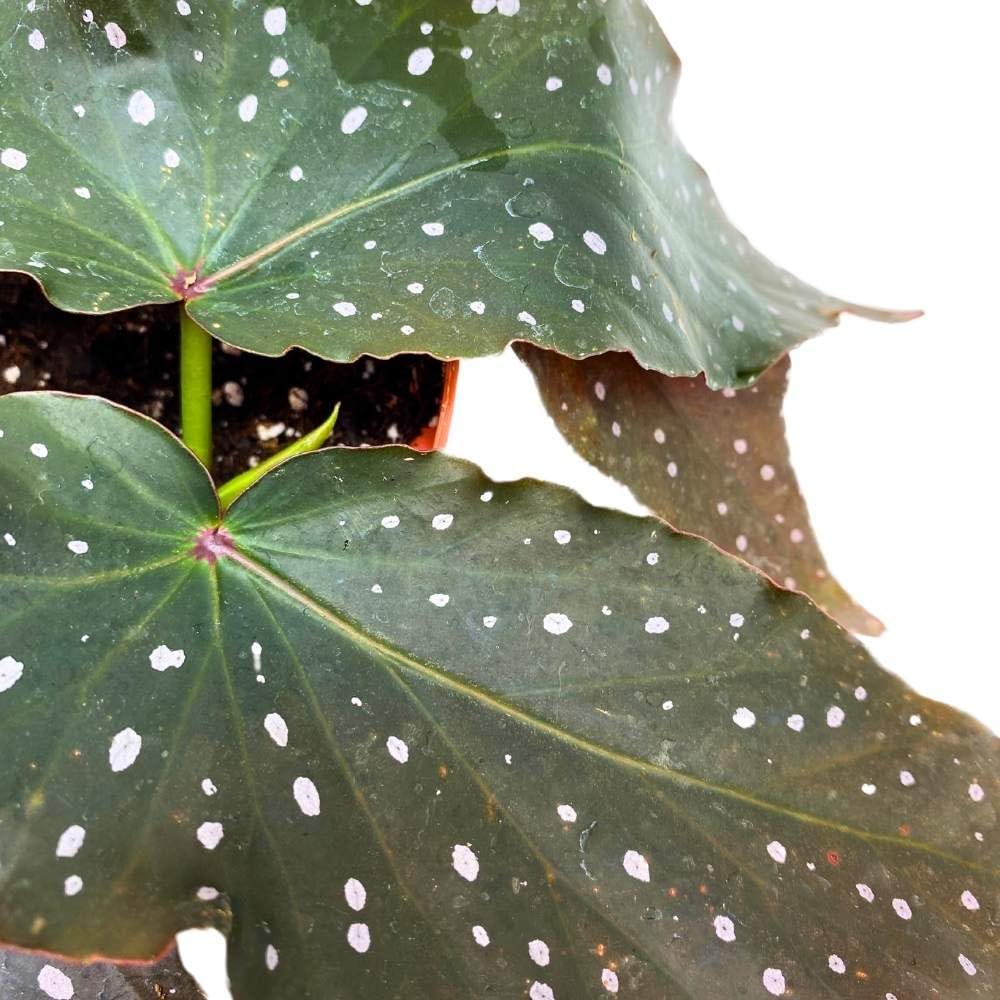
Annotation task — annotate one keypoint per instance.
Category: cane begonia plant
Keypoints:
(395, 729)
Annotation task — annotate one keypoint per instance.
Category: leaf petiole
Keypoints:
(312, 441)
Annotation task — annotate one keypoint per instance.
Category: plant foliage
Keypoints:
(381, 177)
(712, 463)
(424, 735)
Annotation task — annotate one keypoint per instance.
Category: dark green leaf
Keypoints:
(24, 976)
(313, 178)
(712, 463)
(458, 754)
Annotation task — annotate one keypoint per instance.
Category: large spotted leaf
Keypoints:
(377, 177)
(428, 736)
(25, 976)
(712, 463)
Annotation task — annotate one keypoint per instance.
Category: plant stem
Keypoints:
(196, 389)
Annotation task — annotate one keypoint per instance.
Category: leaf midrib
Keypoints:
(381, 648)
(276, 247)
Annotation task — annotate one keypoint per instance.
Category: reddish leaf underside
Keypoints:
(715, 464)
(34, 976)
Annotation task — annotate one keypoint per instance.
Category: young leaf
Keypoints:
(712, 463)
(437, 737)
(365, 178)
(24, 976)
(312, 441)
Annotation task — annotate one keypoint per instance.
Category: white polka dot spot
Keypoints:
(141, 108)
(275, 21)
(556, 623)
(398, 750)
(420, 61)
(209, 835)
(70, 841)
(636, 866)
(276, 728)
(355, 894)
(353, 120)
(774, 982)
(724, 929)
(306, 796)
(359, 938)
(777, 852)
(55, 984)
(657, 625)
(125, 748)
(465, 862)
(164, 658)
(538, 952)
(595, 242)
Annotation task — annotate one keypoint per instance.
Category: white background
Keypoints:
(855, 143)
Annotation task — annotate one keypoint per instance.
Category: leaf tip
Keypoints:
(882, 315)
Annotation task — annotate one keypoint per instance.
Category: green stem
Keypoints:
(229, 491)
(196, 389)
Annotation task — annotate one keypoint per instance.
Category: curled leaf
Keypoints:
(715, 464)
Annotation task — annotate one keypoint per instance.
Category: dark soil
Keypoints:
(131, 358)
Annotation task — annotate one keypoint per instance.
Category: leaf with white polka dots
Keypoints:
(368, 178)
(712, 463)
(25, 976)
(424, 735)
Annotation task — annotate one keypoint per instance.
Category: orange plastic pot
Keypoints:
(435, 435)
